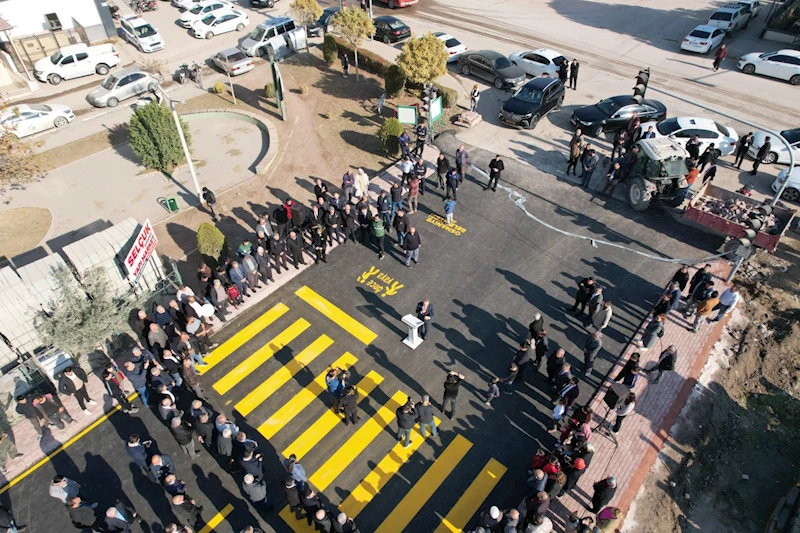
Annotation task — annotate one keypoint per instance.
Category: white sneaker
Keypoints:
(87, 412)
(92, 402)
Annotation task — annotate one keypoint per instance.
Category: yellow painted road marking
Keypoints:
(298, 526)
(217, 519)
(283, 375)
(301, 400)
(329, 420)
(260, 356)
(471, 500)
(356, 444)
(423, 489)
(241, 337)
(360, 497)
(339, 317)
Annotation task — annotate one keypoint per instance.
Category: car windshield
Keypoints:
(109, 83)
(768, 54)
(660, 169)
(452, 43)
(396, 25)
(258, 33)
(502, 62)
(209, 20)
(55, 58)
(529, 95)
(196, 9)
(607, 106)
(144, 31)
(722, 129)
(700, 34)
(674, 167)
(237, 56)
(558, 60)
(37, 107)
(722, 16)
(667, 127)
(791, 136)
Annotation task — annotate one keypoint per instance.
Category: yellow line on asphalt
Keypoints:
(260, 356)
(217, 519)
(272, 425)
(356, 444)
(425, 487)
(283, 375)
(371, 485)
(329, 420)
(298, 526)
(339, 317)
(472, 499)
(242, 336)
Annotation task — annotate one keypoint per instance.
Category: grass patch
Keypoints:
(22, 228)
(84, 147)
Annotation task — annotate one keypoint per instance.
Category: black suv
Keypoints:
(532, 101)
(320, 26)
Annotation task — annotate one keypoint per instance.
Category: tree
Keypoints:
(424, 59)
(388, 135)
(85, 316)
(154, 138)
(19, 163)
(210, 240)
(306, 12)
(354, 26)
(394, 81)
(330, 50)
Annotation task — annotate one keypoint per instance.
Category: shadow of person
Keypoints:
(214, 489)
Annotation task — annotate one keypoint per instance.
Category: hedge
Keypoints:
(394, 81)
(330, 50)
(366, 60)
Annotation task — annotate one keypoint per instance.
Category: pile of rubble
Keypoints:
(758, 218)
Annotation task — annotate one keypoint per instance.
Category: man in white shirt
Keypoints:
(727, 301)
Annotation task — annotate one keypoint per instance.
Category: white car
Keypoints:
(783, 64)
(183, 5)
(141, 34)
(221, 21)
(451, 44)
(233, 61)
(538, 62)
(703, 39)
(792, 191)
(777, 151)
(200, 10)
(684, 128)
(23, 120)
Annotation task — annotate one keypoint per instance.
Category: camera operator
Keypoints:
(336, 384)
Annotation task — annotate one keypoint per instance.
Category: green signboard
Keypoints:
(436, 109)
(407, 114)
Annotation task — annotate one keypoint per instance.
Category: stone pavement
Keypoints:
(645, 431)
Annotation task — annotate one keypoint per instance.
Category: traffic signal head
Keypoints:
(641, 85)
(428, 96)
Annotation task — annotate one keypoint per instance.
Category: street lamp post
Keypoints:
(186, 153)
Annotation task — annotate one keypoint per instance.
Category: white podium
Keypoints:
(413, 340)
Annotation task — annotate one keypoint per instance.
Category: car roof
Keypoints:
(730, 7)
(705, 27)
(125, 71)
(488, 54)
(541, 83)
(688, 122)
(547, 52)
(389, 18)
(443, 36)
(787, 52)
(277, 21)
(230, 51)
(204, 3)
(135, 20)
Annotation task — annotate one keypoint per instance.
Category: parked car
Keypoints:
(684, 128)
(26, 119)
(269, 32)
(200, 10)
(730, 18)
(121, 85)
(614, 113)
(141, 34)
(392, 4)
(537, 62)
(453, 46)
(533, 101)
(783, 64)
(390, 29)
(221, 21)
(754, 5)
(792, 191)
(703, 39)
(493, 67)
(233, 61)
(183, 5)
(263, 3)
(74, 61)
(778, 152)
(320, 26)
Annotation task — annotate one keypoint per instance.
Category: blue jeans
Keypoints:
(431, 426)
(404, 434)
(144, 394)
(178, 379)
(396, 206)
(387, 218)
(509, 387)
(587, 177)
(400, 236)
(197, 359)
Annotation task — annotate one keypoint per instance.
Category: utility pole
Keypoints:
(186, 153)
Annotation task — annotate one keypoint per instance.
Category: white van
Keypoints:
(74, 61)
(279, 33)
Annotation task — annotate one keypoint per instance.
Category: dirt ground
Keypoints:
(22, 229)
(733, 451)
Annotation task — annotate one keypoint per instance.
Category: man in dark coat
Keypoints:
(184, 436)
(522, 359)
(251, 463)
(554, 364)
(604, 491)
(26, 409)
(442, 166)
(573, 473)
(311, 504)
(451, 385)
(349, 222)
(425, 312)
(323, 521)
(541, 346)
(761, 155)
(496, 167)
(82, 514)
(73, 383)
(138, 450)
(295, 245)
(590, 350)
(666, 363)
(289, 487)
(120, 517)
(744, 144)
(349, 403)
(111, 379)
(204, 426)
(161, 466)
(187, 510)
(585, 289)
(277, 250)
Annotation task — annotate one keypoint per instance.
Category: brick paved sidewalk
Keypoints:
(657, 407)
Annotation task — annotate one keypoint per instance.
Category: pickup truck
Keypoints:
(74, 61)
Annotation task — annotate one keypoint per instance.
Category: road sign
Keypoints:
(407, 114)
(436, 109)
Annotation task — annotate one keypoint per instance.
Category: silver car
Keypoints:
(233, 61)
(121, 85)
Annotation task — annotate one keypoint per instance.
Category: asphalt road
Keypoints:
(486, 284)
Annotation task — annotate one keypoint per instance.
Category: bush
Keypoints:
(394, 81)
(327, 114)
(269, 89)
(388, 134)
(304, 89)
(330, 50)
(210, 240)
(366, 60)
(154, 138)
(449, 96)
(219, 88)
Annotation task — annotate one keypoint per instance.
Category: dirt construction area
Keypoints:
(732, 454)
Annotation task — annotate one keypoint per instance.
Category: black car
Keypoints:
(614, 113)
(390, 29)
(493, 67)
(532, 101)
(263, 3)
(320, 27)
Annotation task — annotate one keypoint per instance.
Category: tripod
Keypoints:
(604, 428)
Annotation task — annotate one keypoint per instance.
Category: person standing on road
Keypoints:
(112, 381)
(612, 180)
(585, 289)
(349, 404)
(573, 75)
(474, 96)
(693, 147)
(26, 409)
(666, 363)
(563, 71)
(653, 331)
(425, 312)
(604, 491)
(412, 244)
(449, 208)
(620, 140)
(406, 420)
(184, 436)
(602, 316)
(422, 138)
(761, 155)
(461, 161)
(73, 383)
(722, 53)
(379, 234)
(588, 164)
(424, 411)
(211, 201)
(496, 167)
(575, 145)
(348, 185)
(419, 173)
(540, 344)
(744, 144)
(396, 197)
(400, 224)
(453, 180)
(451, 385)
(349, 223)
(345, 64)
(590, 350)
(120, 517)
(404, 139)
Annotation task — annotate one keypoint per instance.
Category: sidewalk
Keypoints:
(645, 431)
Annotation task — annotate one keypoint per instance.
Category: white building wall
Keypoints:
(28, 16)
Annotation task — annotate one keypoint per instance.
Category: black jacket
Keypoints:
(424, 413)
(349, 219)
(183, 434)
(584, 290)
(602, 493)
(349, 403)
(65, 384)
(400, 224)
(384, 206)
(397, 194)
(411, 241)
(117, 525)
(451, 385)
(406, 420)
(332, 219)
(442, 165)
(295, 246)
(292, 495)
(763, 151)
(496, 167)
(276, 248)
(668, 363)
(82, 516)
